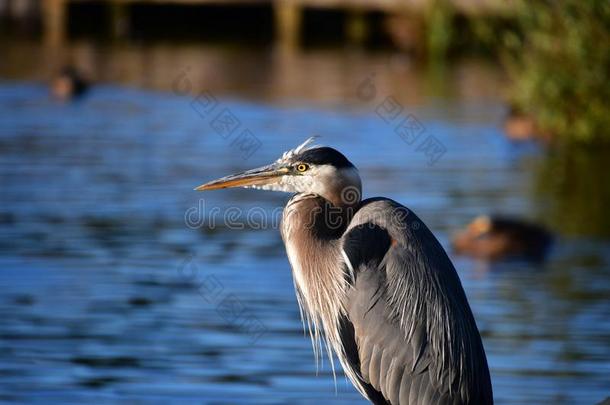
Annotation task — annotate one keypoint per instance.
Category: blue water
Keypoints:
(108, 293)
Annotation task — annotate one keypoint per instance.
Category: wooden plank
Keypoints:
(469, 7)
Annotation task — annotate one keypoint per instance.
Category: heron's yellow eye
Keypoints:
(302, 167)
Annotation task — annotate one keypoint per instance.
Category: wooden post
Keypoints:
(54, 20)
(119, 19)
(439, 16)
(356, 28)
(288, 15)
(407, 31)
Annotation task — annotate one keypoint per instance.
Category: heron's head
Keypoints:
(306, 169)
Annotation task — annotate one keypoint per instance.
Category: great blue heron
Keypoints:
(373, 284)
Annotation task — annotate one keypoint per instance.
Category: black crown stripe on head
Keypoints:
(324, 156)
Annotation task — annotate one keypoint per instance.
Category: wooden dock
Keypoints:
(288, 13)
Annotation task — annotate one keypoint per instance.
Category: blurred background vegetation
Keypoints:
(557, 56)
(559, 62)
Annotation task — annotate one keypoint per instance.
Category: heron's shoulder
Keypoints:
(380, 203)
(383, 212)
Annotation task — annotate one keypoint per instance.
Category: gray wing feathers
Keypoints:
(415, 337)
(396, 368)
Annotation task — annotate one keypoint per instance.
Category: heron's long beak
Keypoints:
(255, 177)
